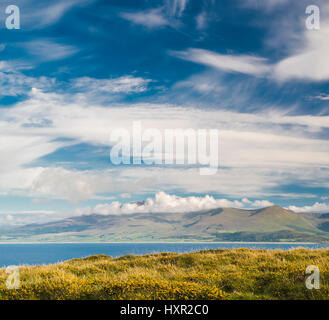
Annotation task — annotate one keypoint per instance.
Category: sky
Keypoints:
(77, 69)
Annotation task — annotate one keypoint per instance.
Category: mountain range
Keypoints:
(222, 224)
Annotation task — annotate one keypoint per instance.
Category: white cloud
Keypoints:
(309, 62)
(262, 150)
(166, 203)
(153, 18)
(9, 217)
(307, 58)
(42, 14)
(262, 203)
(125, 196)
(261, 4)
(162, 203)
(316, 207)
(176, 7)
(13, 82)
(323, 97)
(305, 50)
(201, 20)
(47, 50)
(246, 64)
(203, 83)
(257, 203)
(19, 218)
(82, 185)
(167, 15)
(124, 84)
(72, 185)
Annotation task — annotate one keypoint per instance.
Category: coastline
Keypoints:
(167, 242)
(45, 253)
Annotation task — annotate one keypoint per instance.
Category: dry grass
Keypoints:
(214, 274)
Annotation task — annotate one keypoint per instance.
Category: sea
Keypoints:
(17, 254)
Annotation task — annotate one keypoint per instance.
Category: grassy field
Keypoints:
(213, 274)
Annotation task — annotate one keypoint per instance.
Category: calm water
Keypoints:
(32, 254)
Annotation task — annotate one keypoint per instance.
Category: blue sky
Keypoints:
(77, 69)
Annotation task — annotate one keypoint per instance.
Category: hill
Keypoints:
(223, 224)
(213, 274)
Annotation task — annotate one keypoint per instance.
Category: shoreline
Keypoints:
(164, 242)
(114, 250)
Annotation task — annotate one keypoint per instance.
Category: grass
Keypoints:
(212, 274)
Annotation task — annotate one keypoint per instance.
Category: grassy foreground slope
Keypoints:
(213, 274)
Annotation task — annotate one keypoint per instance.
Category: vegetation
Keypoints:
(222, 224)
(212, 274)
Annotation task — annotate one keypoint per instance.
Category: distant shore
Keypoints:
(160, 242)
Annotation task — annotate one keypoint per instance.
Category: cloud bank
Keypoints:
(316, 207)
(260, 150)
(165, 203)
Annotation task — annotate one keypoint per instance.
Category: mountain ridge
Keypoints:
(272, 223)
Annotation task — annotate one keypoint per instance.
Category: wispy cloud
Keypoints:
(304, 51)
(246, 64)
(42, 14)
(176, 7)
(124, 84)
(260, 4)
(48, 50)
(13, 82)
(201, 20)
(262, 150)
(323, 97)
(166, 15)
(152, 19)
(18, 218)
(309, 62)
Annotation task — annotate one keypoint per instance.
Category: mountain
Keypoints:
(223, 224)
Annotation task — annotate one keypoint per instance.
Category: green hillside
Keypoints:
(213, 274)
(222, 224)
